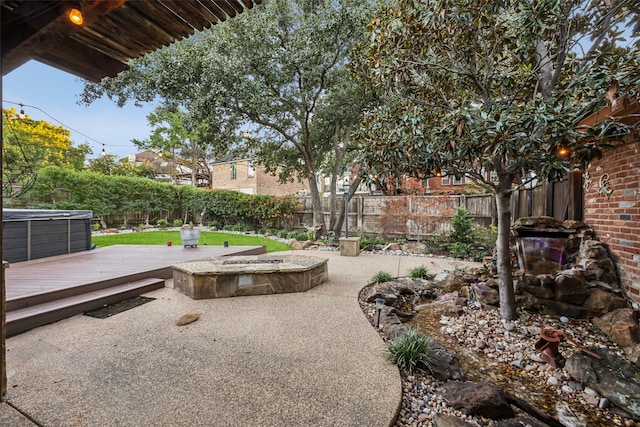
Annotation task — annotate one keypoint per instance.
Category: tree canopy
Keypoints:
(478, 86)
(29, 145)
(268, 71)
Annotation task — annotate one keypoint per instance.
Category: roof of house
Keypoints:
(113, 31)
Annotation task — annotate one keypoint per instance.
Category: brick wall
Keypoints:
(259, 182)
(616, 218)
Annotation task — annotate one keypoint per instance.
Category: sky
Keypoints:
(101, 125)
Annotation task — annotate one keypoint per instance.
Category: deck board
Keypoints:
(103, 264)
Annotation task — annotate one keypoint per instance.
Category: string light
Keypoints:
(75, 16)
(103, 153)
(22, 115)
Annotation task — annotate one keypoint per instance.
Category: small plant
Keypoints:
(215, 224)
(310, 234)
(283, 234)
(162, 223)
(419, 272)
(382, 277)
(227, 227)
(177, 222)
(410, 351)
(462, 226)
(262, 231)
(95, 227)
(459, 249)
(122, 227)
(368, 243)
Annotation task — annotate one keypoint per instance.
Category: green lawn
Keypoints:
(206, 238)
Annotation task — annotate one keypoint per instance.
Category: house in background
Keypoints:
(611, 187)
(246, 176)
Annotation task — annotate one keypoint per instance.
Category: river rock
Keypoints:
(482, 399)
(519, 422)
(445, 365)
(621, 326)
(612, 377)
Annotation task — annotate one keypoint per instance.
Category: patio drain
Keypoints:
(118, 307)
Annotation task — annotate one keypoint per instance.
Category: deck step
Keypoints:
(23, 319)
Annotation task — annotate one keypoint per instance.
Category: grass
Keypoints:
(206, 238)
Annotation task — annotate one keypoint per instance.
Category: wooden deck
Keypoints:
(48, 289)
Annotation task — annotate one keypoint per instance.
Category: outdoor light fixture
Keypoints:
(345, 188)
(75, 16)
(563, 151)
(22, 115)
(530, 181)
(103, 153)
(379, 305)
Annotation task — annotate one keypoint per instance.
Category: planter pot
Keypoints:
(190, 237)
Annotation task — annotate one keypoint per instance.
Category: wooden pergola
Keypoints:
(94, 39)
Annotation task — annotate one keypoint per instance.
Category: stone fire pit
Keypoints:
(249, 275)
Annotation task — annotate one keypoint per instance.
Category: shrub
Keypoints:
(227, 227)
(382, 277)
(459, 249)
(177, 222)
(216, 224)
(419, 272)
(162, 223)
(462, 226)
(283, 234)
(262, 231)
(95, 227)
(300, 236)
(368, 243)
(410, 351)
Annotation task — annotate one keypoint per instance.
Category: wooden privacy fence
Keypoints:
(424, 214)
(410, 217)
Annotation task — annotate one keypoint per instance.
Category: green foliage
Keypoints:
(58, 188)
(178, 222)
(95, 226)
(162, 223)
(459, 249)
(462, 226)
(411, 351)
(283, 234)
(382, 277)
(300, 236)
(367, 243)
(419, 272)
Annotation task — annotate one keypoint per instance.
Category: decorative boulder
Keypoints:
(570, 290)
(445, 365)
(612, 377)
(485, 294)
(482, 399)
(621, 326)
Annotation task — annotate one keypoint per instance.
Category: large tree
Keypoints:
(479, 86)
(29, 145)
(270, 69)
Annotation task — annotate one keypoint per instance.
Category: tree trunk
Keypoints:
(505, 278)
(318, 217)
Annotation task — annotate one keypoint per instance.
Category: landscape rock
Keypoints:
(621, 326)
(414, 248)
(447, 420)
(445, 365)
(519, 422)
(601, 302)
(570, 290)
(485, 294)
(452, 282)
(483, 399)
(612, 377)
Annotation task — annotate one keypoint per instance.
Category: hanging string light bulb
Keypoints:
(22, 115)
(103, 153)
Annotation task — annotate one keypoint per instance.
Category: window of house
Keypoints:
(234, 171)
(457, 180)
(251, 169)
(446, 180)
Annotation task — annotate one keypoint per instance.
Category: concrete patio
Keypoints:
(307, 358)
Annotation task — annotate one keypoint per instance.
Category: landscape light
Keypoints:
(379, 305)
